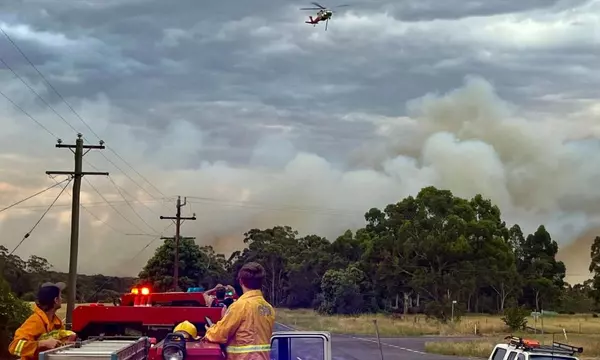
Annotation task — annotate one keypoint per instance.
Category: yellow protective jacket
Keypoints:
(37, 327)
(246, 328)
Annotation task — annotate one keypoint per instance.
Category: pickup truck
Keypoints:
(524, 349)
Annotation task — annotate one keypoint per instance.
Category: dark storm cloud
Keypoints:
(231, 68)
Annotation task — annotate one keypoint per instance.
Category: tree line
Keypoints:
(25, 276)
(419, 255)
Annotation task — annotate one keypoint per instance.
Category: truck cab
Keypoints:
(525, 349)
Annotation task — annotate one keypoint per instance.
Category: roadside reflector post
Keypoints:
(378, 338)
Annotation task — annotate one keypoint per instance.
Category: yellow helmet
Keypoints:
(188, 328)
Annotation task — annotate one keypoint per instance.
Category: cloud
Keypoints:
(261, 119)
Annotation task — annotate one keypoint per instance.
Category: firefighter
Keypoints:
(43, 330)
(247, 325)
(188, 330)
(215, 297)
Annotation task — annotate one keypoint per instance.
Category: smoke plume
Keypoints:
(469, 140)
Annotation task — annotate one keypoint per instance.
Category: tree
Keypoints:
(158, 272)
(543, 275)
(13, 313)
(595, 269)
(342, 291)
(271, 248)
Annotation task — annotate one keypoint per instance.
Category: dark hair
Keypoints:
(227, 302)
(252, 275)
(46, 296)
(220, 293)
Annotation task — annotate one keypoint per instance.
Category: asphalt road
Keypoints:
(345, 347)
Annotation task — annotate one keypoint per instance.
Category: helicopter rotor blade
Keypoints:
(310, 9)
(326, 24)
(319, 5)
(341, 6)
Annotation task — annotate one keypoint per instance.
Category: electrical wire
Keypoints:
(112, 206)
(133, 258)
(131, 207)
(95, 216)
(127, 193)
(37, 94)
(41, 218)
(28, 115)
(34, 195)
(88, 204)
(14, 44)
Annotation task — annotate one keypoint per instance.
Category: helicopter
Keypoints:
(323, 14)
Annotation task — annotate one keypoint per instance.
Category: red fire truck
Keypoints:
(140, 327)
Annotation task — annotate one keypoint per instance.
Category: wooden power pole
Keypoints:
(177, 219)
(77, 174)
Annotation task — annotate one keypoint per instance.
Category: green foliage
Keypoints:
(193, 266)
(417, 255)
(13, 312)
(515, 317)
(24, 278)
(341, 291)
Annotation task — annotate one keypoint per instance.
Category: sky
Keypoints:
(260, 119)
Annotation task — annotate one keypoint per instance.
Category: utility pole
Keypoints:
(177, 219)
(77, 174)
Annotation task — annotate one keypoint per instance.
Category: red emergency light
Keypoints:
(143, 290)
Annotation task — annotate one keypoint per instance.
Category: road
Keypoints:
(346, 347)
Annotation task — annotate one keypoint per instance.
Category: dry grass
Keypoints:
(483, 348)
(419, 325)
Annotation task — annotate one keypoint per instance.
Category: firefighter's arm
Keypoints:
(24, 343)
(227, 326)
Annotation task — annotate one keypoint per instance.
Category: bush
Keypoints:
(341, 292)
(515, 317)
(13, 312)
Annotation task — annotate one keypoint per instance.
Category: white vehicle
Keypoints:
(525, 349)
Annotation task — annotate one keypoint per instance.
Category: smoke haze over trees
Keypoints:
(414, 256)
(534, 167)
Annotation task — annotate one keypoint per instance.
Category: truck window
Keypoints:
(550, 357)
(521, 357)
(499, 354)
(512, 355)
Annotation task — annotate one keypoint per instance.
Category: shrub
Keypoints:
(13, 312)
(515, 318)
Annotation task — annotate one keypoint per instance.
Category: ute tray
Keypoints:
(113, 348)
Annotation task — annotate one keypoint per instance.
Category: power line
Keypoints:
(131, 207)
(28, 115)
(89, 204)
(127, 193)
(93, 215)
(40, 220)
(36, 194)
(133, 258)
(38, 95)
(112, 206)
(56, 137)
(14, 44)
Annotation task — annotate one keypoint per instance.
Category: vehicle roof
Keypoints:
(539, 353)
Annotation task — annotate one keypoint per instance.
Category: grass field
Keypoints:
(582, 330)
(419, 325)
